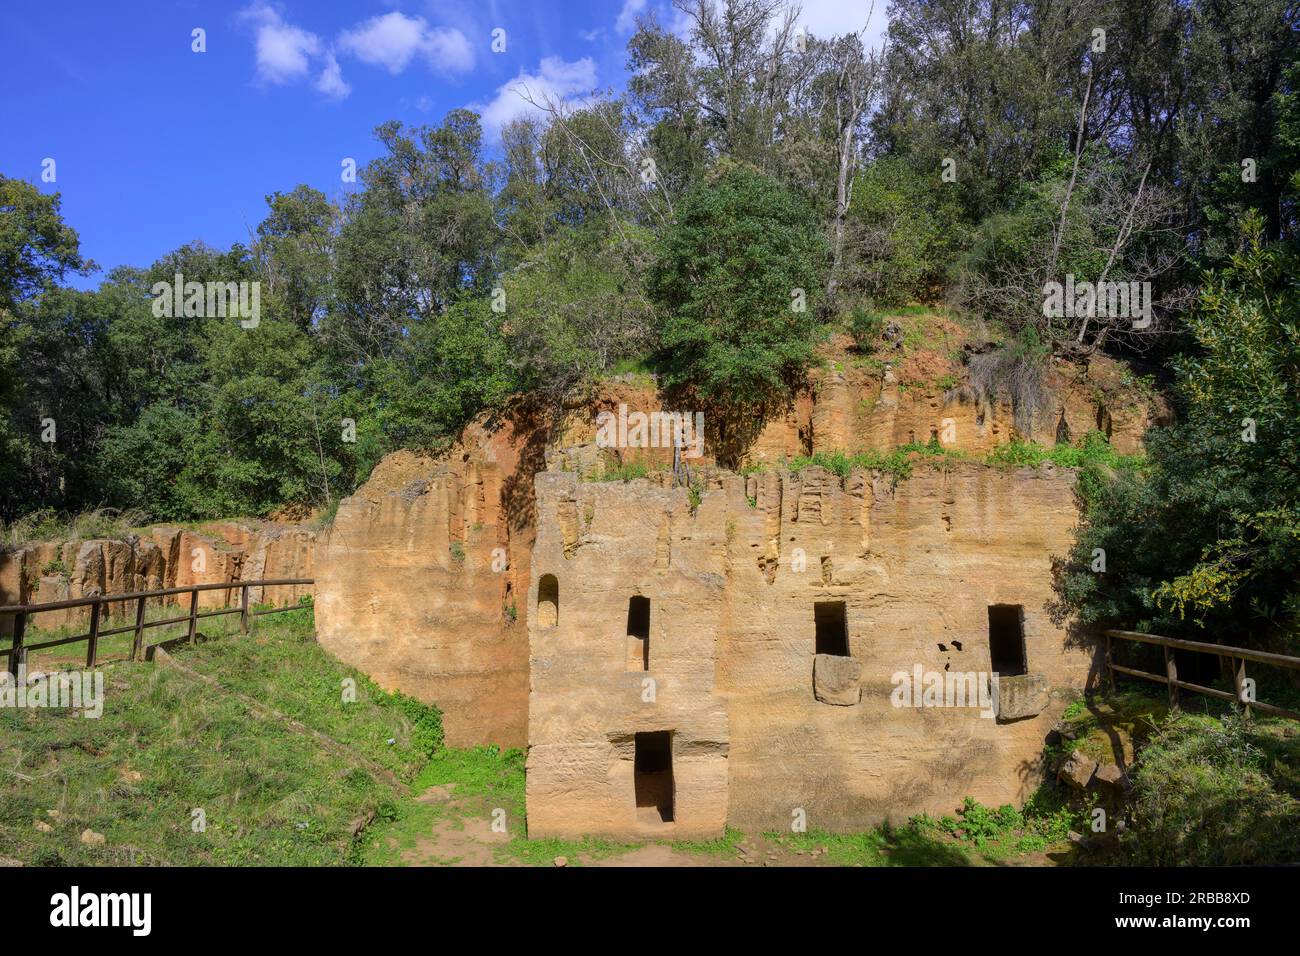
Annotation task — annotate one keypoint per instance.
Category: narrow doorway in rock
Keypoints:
(832, 628)
(548, 601)
(1007, 639)
(653, 772)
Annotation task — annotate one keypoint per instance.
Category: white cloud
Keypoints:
(448, 51)
(330, 82)
(391, 41)
(284, 51)
(556, 80)
(626, 21)
(827, 18)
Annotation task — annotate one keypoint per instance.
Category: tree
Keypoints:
(419, 234)
(736, 278)
(295, 246)
(37, 251)
(1207, 537)
(576, 306)
(1100, 224)
(904, 234)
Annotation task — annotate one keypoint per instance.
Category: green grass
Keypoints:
(723, 846)
(897, 462)
(283, 667)
(168, 744)
(912, 845)
(628, 471)
(1091, 450)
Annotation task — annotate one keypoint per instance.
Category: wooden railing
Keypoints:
(1239, 655)
(17, 651)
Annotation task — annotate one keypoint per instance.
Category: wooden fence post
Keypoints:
(1239, 683)
(194, 614)
(1110, 663)
(139, 630)
(1171, 673)
(92, 647)
(16, 652)
(243, 609)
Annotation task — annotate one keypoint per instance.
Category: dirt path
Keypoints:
(462, 835)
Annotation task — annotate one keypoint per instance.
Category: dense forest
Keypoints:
(751, 191)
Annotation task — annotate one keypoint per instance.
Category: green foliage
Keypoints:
(866, 327)
(623, 471)
(1093, 450)
(46, 524)
(425, 723)
(895, 463)
(724, 280)
(979, 824)
(1208, 534)
(37, 249)
(905, 231)
(576, 308)
(1211, 792)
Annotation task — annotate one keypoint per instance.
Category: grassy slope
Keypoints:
(168, 744)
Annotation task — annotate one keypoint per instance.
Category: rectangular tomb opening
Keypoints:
(638, 633)
(832, 628)
(653, 772)
(1007, 639)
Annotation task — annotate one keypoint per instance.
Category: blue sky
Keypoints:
(155, 145)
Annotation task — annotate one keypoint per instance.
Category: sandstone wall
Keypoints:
(917, 567)
(591, 694)
(158, 558)
(855, 409)
(732, 588)
(419, 581)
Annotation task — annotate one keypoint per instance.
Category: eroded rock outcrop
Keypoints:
(154, 559)
(420, 580)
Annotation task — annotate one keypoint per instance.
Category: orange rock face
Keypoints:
(158, 558)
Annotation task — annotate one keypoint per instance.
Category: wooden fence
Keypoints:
(17, 652)
(1239, 656)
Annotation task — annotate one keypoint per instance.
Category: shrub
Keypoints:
(866, 327)
(905, 231)
(1205, 796)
